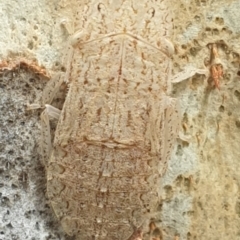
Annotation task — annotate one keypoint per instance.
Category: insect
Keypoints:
(118, 125)
(216, 73)
(216, 68)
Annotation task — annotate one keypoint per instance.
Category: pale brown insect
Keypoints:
(216, 68)
(118, 126)
(216, 73)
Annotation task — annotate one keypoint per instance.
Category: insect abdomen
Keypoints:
(104, 191)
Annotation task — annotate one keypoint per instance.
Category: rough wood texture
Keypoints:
(118, 124)
(200, 190)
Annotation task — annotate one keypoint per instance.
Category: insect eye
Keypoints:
(151, 12)
(101, 8)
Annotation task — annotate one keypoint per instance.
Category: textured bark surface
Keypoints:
(118, 127)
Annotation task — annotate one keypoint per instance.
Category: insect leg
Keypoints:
(137, 235)
(188, 72)
(49, 112)
(46, 143)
